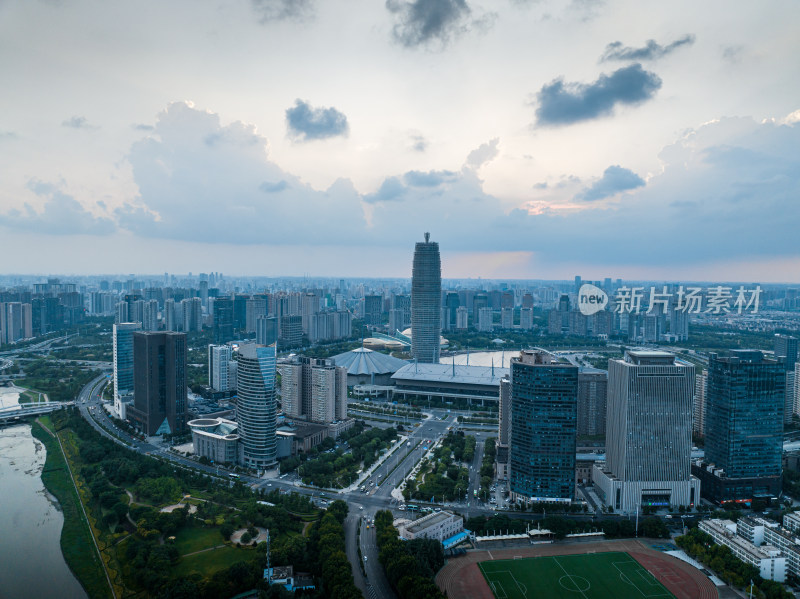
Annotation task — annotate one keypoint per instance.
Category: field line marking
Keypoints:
(568, 575)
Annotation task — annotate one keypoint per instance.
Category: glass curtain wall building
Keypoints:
(544, 413)
(256, 407)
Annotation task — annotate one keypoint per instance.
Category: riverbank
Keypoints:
(76, 539)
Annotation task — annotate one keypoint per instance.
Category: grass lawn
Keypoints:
(29, 396)
(76, 541)
(612, 575)
(208, 562)
(194, 538)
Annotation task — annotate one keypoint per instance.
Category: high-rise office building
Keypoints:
(785, 347)
(256, 308)
(291, 332)
(373, 309)
(266, 330)
(223, 320)
(256, 404)
(592, 394)
(744, 427)
(123, 364)
(485, 322)
(159, 383)
(648, 433)
(544, 399)
(426, 302)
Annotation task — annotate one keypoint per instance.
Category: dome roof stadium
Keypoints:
(363, 361)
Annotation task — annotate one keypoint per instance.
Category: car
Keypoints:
(361, 507)
(365, 558)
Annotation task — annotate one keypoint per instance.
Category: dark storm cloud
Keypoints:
(562, 103)
(61, 214)
(282, 10)
(421, 22)
(306, 123)
(614, 180)
(652, 50)
(78, 122)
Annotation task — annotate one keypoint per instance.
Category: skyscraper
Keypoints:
(544, 397)
(744, 427)
(223, 319)
(314, 389)
(648, 433)
(426, 302)
(123, 364)
(592, 394)
(256, 404)
(159, 383)
(219, 367)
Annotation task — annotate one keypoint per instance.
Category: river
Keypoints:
(31, 563)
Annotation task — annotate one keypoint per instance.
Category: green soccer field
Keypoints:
(614, 575)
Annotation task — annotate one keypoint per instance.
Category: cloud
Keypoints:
(8, 135)
(199, 179)
(483, 154)
(61, 214)
(142, 127)
(723, 189)
(306, 123)
(282, 10)
(419, 143)
(78, 122)
(392, 189)
(652, 50)
(433, 22)
(274, 187)
(427, 178)
(614, 180)
(733, 54)
(562, 103)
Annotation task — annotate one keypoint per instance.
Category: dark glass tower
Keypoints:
(544, 412)
(744, 427)
(159, 383)
(426, 302)
(223, 320)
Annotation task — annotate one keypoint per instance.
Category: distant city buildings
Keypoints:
(426, 302)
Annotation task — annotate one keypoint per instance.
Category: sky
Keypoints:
(532, 139)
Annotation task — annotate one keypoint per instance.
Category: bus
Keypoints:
(412, 508)
(232, 475)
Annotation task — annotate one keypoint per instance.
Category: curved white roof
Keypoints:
(367, 362)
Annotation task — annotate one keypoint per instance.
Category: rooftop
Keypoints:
(452, 373)
(428, 521)
(363, 361)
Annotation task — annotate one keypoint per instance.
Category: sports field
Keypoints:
(611, 575)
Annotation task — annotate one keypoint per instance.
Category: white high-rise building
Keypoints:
(526, 319)
(314, 389)
(123, 365)
(700, 391)
(220, 362)
(648, 433)
(462, 318)
(485, 320)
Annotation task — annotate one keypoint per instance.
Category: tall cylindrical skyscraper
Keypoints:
(256, 404)
(426, 302)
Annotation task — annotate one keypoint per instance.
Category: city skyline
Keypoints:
(533, 139)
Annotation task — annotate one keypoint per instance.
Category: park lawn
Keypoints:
(29, 396)
(209, 562)
(196, 538)
(611, 575)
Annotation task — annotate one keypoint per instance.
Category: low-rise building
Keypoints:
(438, 525)
(216, 439)
(769, 560)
